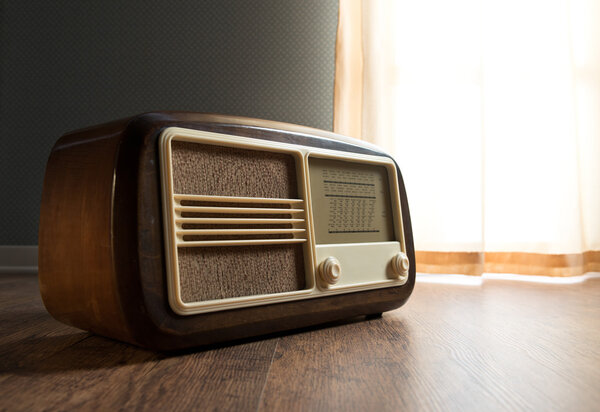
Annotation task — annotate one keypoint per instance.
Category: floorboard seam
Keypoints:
(70, 345)
(151, 369)
(262, 391)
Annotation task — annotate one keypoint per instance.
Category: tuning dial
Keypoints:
(400, 265)
(330, 270)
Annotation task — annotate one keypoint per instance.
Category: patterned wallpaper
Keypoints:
(69, 64)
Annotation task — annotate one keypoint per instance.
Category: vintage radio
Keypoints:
(169, 230)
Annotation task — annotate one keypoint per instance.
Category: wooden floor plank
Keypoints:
(45, 365)
(28, 334)
(502, 345)
(228, 378)
(90, 374)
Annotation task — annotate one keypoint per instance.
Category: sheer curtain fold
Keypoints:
(492, 110)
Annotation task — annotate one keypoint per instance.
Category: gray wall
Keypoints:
(71, 64)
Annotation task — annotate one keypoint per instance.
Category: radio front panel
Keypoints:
(250, 222)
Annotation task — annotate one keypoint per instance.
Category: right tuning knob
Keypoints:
(400, 265)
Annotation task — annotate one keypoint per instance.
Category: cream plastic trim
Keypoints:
(249, 210)
(240, 231)
(233, 220)
(301, 209)
(235, 199)
(361, 264)
(205, 243)
(177, 209)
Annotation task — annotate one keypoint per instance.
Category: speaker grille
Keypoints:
(239, 222)
(229, 224)
(208, 273)
(226, 171)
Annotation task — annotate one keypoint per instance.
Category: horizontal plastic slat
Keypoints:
(233, 199)
(190, 232)
(248, 210)
(238, 242)
(225, 220)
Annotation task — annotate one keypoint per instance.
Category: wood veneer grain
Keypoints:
(501, 346)
(498, 346)
(76, 267)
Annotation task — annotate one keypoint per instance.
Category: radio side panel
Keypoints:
(76, 272)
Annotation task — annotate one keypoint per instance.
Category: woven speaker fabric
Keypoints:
(226, 272)
(209, 273)
(201, 169)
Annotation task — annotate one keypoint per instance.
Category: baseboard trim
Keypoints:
(18, 259)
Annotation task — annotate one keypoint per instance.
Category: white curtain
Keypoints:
(492, 110)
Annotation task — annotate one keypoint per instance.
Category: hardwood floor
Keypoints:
(499, 346)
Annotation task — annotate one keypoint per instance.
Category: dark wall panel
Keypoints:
(70, 64)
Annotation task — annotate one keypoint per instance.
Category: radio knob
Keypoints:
(400, 265)
(330, 270)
